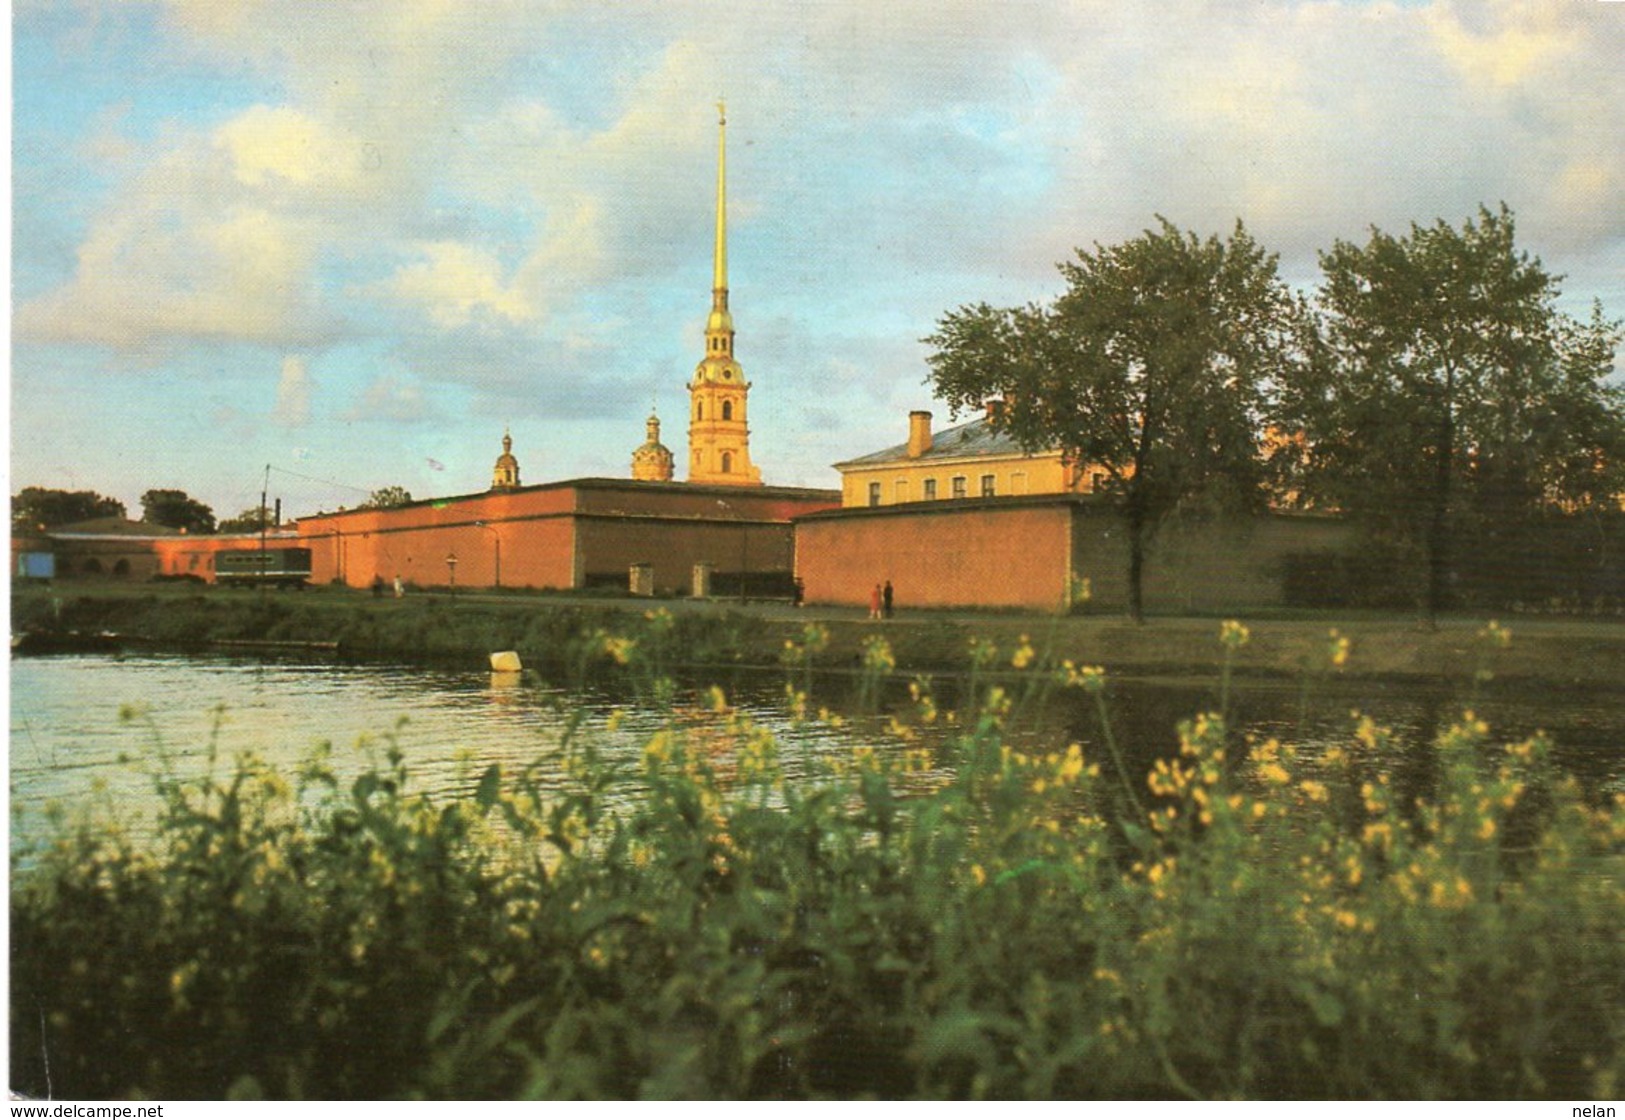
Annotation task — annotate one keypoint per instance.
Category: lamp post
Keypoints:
(498, 538)
(451, 571)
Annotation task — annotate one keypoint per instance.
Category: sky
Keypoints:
(320, 248)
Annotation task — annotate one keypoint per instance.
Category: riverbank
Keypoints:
(558, 630)
(683, 902)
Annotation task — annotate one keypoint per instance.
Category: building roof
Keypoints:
(973, 440)
(112, 527)
(780, 493)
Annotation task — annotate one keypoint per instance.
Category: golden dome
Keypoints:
(505, 475)
(653, 461)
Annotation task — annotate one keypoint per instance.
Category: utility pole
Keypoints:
(264, 488)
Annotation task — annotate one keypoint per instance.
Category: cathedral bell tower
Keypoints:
(718, 438)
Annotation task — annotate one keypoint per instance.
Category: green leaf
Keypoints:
(365, 786)
(490, 788)
(1327, 1008)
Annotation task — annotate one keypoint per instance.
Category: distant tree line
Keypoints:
(1429, 389)
(36, 508)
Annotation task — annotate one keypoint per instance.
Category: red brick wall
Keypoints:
(552, 536)
(673, 546)
(992, 554)
(1015, 553)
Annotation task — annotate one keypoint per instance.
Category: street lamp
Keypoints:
(451, 571)
(498, 537)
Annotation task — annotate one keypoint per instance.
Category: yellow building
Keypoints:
(718, 436)
(973, 460)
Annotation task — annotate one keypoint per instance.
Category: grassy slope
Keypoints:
(1556, 651)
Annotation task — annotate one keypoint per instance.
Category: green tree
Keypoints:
(387, 497)
(251, 520)
(177, 510)
(1153, 367)
(35, 506)
(1451, 395)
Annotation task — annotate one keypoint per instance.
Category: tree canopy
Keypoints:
(176, 510)
(1153, 368)
(250, 520)
(387, 497)
(1449, 391)
(36, 507)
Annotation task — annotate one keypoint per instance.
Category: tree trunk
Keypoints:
(1439, 523)
(1136, 561)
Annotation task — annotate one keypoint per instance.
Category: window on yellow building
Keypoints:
(987, 486)
(930, 489)
(874, 493)
(959, 486)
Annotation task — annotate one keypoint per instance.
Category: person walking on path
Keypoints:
(885, 597)
(874, 604)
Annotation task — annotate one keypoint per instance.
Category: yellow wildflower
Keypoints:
(1024, 654)
(1072, 765)
(1274, 773)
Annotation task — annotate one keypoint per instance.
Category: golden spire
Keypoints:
(719, 278)
(718, 432)
(720, 321)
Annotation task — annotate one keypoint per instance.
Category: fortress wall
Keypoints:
(978, 554)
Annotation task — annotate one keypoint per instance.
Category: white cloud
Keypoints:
(389, 398)
(184, 252)
(278, 144)
(456, 284)
(510, 199)
(1501, 45)
(293, 392)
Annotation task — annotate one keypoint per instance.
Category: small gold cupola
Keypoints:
(505, 476)
(653, 461)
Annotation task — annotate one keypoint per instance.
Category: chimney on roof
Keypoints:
(919, 433)
(995, 409)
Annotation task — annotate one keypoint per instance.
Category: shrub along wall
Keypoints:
(1556, 562)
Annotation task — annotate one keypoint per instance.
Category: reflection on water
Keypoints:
(85, 728)
(93, 729)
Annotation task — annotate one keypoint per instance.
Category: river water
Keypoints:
(92, 730)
